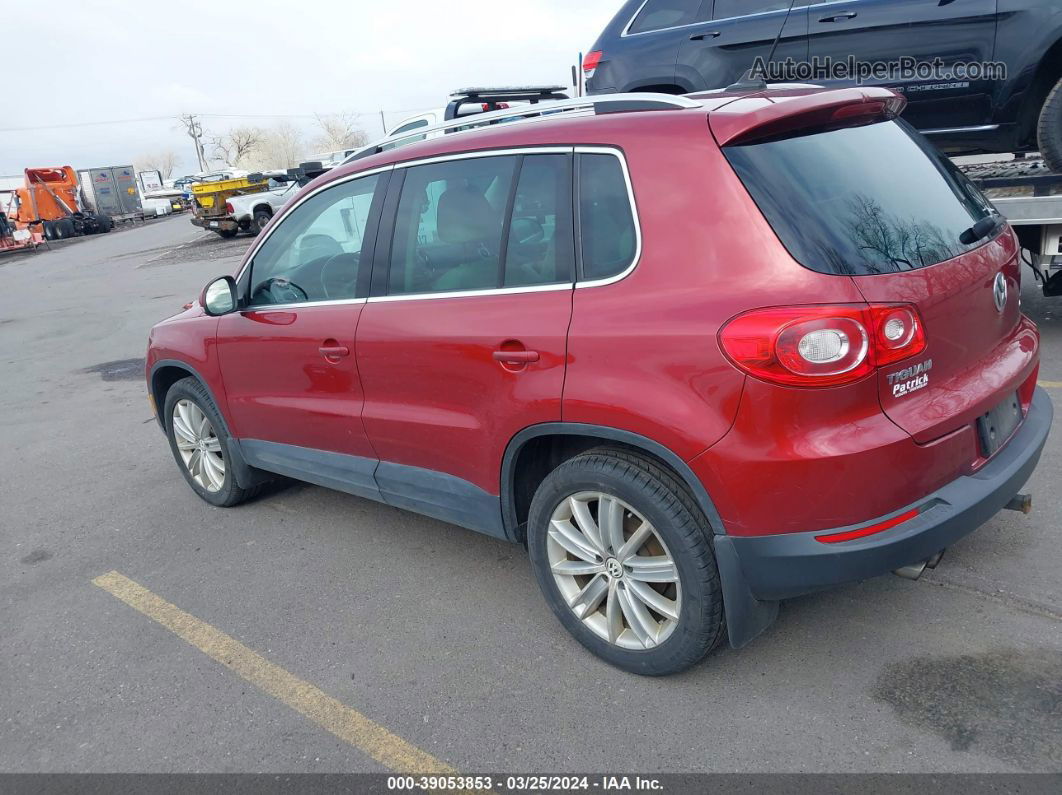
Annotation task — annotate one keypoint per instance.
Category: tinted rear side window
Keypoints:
(861, 200)
(657, 14)
(608, 236)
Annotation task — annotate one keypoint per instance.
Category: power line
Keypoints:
(207, 115)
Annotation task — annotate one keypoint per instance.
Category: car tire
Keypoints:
(227, 233)
(201, 444)
(1049, 129)
(103, 223)
(630, 627)
(261, 218)
(49, 230)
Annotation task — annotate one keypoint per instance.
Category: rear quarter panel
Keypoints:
(643, 354)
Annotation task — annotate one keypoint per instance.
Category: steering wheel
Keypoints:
(342, 284)
(281, 291)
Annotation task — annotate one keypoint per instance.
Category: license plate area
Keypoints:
(996, 426)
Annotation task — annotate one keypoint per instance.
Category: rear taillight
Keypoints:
(821, 345)
(1026, 390)
(590, 62)
(229, 208)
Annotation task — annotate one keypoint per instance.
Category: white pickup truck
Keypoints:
(252, 211)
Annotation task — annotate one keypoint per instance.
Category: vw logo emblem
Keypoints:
(999, 291)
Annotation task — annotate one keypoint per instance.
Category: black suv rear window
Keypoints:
(859, 200)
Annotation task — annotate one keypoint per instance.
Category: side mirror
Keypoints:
(219, 296)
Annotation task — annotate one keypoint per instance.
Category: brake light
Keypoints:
(821, 345)
(229, 208)
(499, 106)
(1026, 390)
(590, 62)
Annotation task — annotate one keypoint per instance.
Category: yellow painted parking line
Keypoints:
(1050, 384)
(345, 723)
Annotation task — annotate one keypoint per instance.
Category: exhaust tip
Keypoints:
(1020, 502)
(912, 572)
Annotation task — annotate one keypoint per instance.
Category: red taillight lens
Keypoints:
(898, 333)
(821, 345)
(590, 62)
(1028, 387)
(229, 208)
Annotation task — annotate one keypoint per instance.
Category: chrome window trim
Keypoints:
(975, 128)
(627, 28)
(608, 150)
(537, 288)
(303, 305)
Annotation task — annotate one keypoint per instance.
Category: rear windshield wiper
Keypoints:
(980, 230)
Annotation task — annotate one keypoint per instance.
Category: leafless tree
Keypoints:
(236, 147)
(339, 131)
(164, 162)
(280, 146)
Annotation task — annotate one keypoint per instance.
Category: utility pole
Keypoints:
(383, 122)
(195, 132)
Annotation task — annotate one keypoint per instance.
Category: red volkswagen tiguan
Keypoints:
(699, 354)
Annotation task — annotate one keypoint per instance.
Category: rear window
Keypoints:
(860, 200)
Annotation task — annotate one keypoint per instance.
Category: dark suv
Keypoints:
(679, 46)
(699, 354)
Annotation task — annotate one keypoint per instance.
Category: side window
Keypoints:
(607, 231)
(483, 223)
(725, 9)
(658, 14)
(315, 252)
(540, 249)
(411, 126)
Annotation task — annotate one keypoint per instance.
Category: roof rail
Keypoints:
(597, 104)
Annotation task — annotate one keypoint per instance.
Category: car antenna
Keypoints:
(747, 82)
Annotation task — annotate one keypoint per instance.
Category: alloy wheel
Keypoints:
(198, 445)
(614, 570)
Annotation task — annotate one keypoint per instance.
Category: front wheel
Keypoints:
(624, 558)
(200, 444)
(1049, 129)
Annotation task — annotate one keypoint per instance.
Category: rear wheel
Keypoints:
(1049, 129)
(104, 223)
(227, 233)
(200, 444)
(625, 561)
(49, 230)
(261, 218)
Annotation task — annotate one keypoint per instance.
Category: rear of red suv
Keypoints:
(870, 435)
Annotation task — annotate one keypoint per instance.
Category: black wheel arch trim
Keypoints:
(604, 433)
(246, 476)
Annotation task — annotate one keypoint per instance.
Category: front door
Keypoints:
(886, 31)
(287, 357)
(462, 343)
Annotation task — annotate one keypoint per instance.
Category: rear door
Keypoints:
(896, 224)
(885, 31)
(287, 357)
(462, 343)
(718, 52)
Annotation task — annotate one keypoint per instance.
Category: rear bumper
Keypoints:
(785, 565)
(224, 223)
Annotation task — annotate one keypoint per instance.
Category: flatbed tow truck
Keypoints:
(1029, 196)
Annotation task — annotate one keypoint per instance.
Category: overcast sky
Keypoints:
(116, 60)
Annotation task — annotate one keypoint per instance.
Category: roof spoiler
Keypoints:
(763, 116)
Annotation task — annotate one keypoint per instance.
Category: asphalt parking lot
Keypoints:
(312, 631)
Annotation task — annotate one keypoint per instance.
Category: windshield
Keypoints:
(860, 200)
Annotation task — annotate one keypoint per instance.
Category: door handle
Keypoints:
(714, 34)
(515, 357)
(840, 17)
(334, 351)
